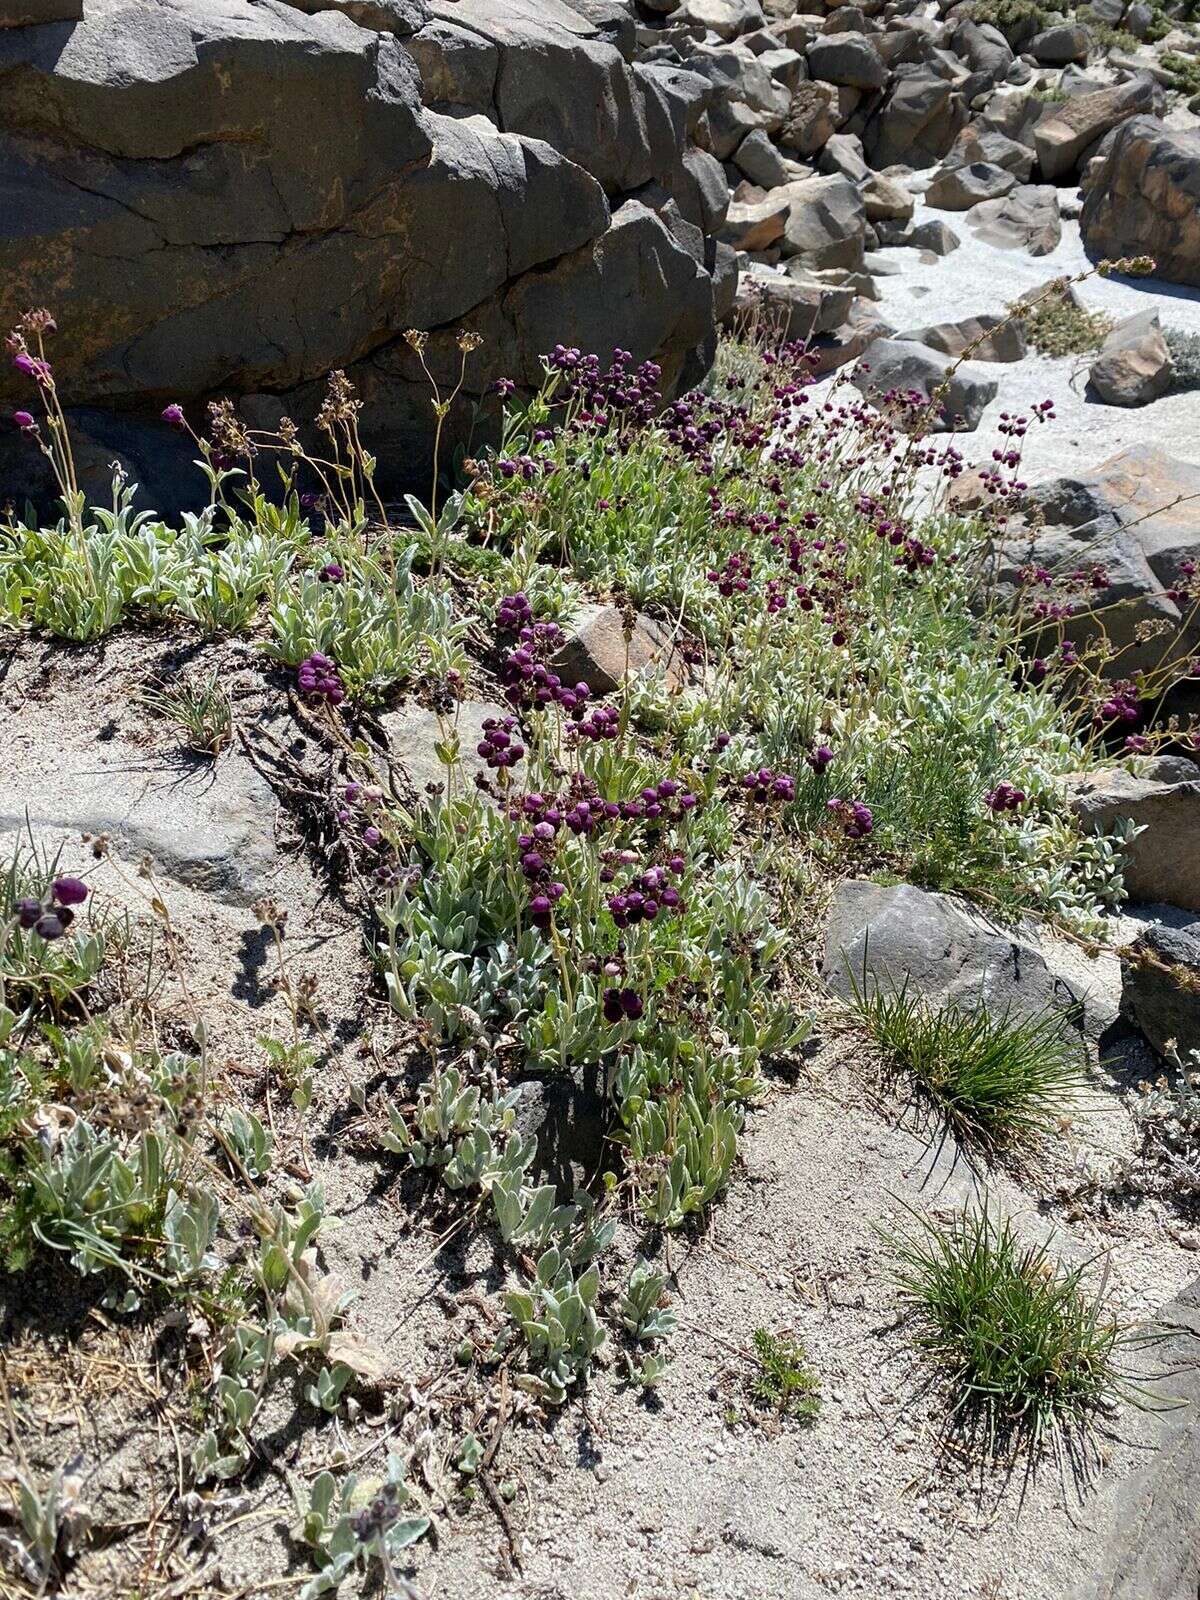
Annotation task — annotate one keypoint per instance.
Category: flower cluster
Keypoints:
(50, 917)
(1005, 797)
(530, 680)
(500, 747)
(764, 784)
(514, 613)
(1121, 705)
(602, 722)
(647, 894)
(857, 819)
(622, 1005)
(317, 678)
(733, 577)
(365, 799)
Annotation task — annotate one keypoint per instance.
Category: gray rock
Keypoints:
(756, 224)
(758, 158)
(893, 364)
(414, 733)
(1026, 219)
(844, 153)
(885, 200)
(1134, 365)
(826, 222)
(799, 308)
(1163, 862)
(977, 143)
(598, 653)
(701, 190)
(949, 954)
(401, 17)
(988, 338)
(724, 272)
(1137, 516)
(1015, 113)
(809, 123)
(847, 58)
(205, 144)
(1149, 1548)
(210, 826)
(938, 238)
(727, 18)
(1143, 198)
(918, 121)
(1160, 992)
(1054, 47)
(1139, 20)
(1063, 138)
(959, 188)
(24, 13)
(729, 123)
(984, 49)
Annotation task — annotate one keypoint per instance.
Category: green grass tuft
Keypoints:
(1027, 1350)
(1000, 1082)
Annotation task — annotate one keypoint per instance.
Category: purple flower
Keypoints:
(331, 572)
(26, 421)
(318, 679)
(174, 415)
(70, 891)
(28, 911)
(50, 925)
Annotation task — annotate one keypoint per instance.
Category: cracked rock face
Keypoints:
(225, 197)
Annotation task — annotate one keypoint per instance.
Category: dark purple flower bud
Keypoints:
(28, 911)
(70, 891)
(614, 1011)
(26, 421)
(50, 925)
(632, 1004)
(174, 415)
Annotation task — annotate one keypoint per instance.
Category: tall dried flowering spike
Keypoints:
(229, 432)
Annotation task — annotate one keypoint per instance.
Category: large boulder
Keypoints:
(281, 202)
(826, 222)
(1025, 219)
(959, 188)
(1056, 46)
(401, 17)
(896, 367)
(809, 123)
(977, 143)
(946, 952)
(918, 121)
(1063, 138)
(794, 308)
(1162, 864)
(1161, 986)
(1143, 198)
(1134, 365)
(24, 13)
(847, 58)
(1136, 517)
(984, 338)
(727, 18)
